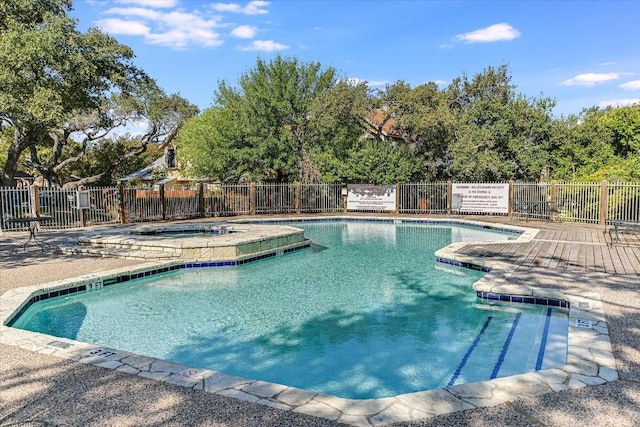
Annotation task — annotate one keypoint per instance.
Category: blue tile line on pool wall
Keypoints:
(244, 261)
(505, 347)
(126, 277)
(475, 342)
(463, 264)
(543, 341)
(551, 302)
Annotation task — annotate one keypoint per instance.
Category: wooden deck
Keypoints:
(566, 246)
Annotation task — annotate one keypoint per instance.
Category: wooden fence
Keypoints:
(578, 202)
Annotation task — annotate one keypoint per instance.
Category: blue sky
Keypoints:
(580, 53)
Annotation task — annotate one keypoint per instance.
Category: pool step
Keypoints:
(136, 254)
(502, 348)
(527, 343)
(126, 244)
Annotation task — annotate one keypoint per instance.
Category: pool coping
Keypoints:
(590, 358)
(147, 242)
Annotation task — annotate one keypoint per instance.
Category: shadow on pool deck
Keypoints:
(43, 390)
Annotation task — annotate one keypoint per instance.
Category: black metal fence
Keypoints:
(579, 202)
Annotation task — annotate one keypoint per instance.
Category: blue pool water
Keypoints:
(365, 312)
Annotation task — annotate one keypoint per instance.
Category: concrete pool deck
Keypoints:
(38, 388)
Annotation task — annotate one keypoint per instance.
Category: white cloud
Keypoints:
(151, 3)
(161, 22)
(138, 12)
(492, 33)
(378, 83)
(265, 46)
(182, 39)
(175, 29)
(632, 85)
(354, 81)
(619, 103)
(122, 26)
(591, 79)
(186, 20)
(244, 32)
(255, 7)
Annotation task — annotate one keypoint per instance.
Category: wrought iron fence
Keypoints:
(226, 200)
(532, 200)
(579, 202)
(141, 205)
(423, 197)
(104, 206)
(14, 203)
(181, 202)
(275, 198)
(61, 204)
(316, 198)
(57, 203)
(623, 202)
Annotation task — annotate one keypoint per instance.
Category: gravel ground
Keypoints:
(37, 389)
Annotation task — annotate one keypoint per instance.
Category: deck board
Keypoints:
(549, 256)
(566, 247)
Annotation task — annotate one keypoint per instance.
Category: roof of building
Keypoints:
(146, 173)
(377, 117)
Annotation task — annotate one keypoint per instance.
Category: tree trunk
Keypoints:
(19, 143)
(10, 167)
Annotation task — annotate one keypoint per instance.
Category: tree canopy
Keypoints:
(289, 120)
(61, 90)
(476, 128)
(597, 144)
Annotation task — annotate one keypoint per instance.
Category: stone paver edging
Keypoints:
(149, 243)
(590, 358)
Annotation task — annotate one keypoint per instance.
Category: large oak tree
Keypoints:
(62, 90)
(263, 128)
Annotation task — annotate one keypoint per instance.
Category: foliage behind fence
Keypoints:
(579, 202)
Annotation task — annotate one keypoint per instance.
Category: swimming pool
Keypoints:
(366, 312)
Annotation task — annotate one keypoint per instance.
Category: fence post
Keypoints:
(201, 206)
(252, 198)
(123, 216)
(554, 202)
(163, 204)
(449, 197)
(296, 198)
(397, 211)
(510, 201)
(604, 202)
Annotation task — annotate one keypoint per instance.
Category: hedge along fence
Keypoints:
(577, 202)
